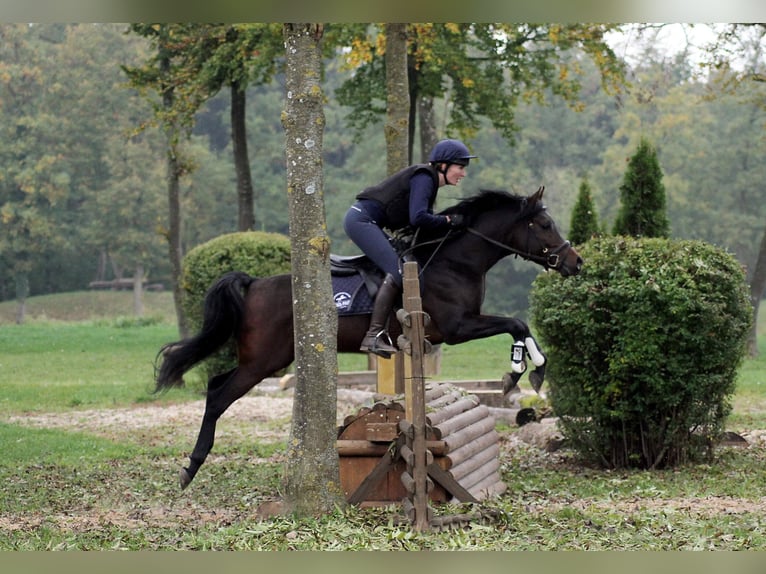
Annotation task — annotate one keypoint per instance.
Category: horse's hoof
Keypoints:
(510, 382)
(536, 380)
(184, 478)
(525, 416)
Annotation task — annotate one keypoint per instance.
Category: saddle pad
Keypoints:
(351, 296)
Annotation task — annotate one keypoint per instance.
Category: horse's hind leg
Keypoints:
(223, 391)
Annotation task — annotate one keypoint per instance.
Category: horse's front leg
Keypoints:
(470, 327)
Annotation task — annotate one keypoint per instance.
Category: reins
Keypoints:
(414, 244)
(551, 260)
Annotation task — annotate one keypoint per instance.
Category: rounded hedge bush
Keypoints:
(643, 348)
(257, 253)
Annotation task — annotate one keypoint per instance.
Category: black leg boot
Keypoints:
(377, 340)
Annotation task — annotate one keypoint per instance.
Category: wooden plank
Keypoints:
(347, 448)
(381, 432)
(466, 450)
(368, 448)
(434, 391)
(409, 456)
(453, 409)
(461, 421)
(446, 480)
(489, 468)
(478, 459)
(485, 384)
(444, 400)
(469, 433)
(408, 482)
(371, 481)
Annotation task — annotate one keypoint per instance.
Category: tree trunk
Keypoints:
(397, 98)
(312, 474)
(246, 217)
(173, 176)
(22, 292)
(757, 290)
(138, 290)
(428, 135)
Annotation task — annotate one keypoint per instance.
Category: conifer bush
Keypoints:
(257, 253)
(644, 347)
(584, 220)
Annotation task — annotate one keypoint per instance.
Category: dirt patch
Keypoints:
(266, 417)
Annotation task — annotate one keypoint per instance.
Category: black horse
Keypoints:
(452, 275)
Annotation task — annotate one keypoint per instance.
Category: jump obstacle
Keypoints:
(438, 444)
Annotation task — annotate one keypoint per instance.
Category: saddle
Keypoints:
(355, 281)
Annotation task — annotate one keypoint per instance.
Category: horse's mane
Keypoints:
(491, 200)
(517, 206)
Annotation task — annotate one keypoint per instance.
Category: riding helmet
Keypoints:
(450, 151)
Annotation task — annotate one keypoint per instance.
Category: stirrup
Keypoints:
(375, 349)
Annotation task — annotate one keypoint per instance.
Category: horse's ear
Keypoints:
(538, 195)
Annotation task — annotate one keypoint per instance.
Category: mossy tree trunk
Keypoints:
(312, 475)
(397, 98)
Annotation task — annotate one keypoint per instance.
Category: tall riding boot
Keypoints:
(377, 340)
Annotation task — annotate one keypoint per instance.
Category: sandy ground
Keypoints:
(265, 416)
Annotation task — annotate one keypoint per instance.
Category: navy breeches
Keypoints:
(362, 229)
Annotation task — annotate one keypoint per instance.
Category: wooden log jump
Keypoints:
(438, 444)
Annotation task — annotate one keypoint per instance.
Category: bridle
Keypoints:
(551, 258)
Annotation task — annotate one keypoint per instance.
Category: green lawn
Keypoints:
(115, 488)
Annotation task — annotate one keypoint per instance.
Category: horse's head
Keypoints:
(519, 225)
(541, 241)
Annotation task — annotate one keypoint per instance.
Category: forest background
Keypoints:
(91, 186)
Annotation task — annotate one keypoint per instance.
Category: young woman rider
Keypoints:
(403, 199)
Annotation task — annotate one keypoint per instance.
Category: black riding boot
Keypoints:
(377, 340)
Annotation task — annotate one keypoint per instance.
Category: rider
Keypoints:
(403, 199)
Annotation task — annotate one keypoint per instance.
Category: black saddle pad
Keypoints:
(351, 295)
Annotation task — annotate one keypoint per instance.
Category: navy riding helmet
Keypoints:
(450, 151)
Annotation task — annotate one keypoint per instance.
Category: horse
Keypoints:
(258, 312)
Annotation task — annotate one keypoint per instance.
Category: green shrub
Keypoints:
(257, 253)
(643, 348)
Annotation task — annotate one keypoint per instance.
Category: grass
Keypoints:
(51, 367)
(117, 489)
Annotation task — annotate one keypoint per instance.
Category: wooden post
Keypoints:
(414, 392)
(390, 374)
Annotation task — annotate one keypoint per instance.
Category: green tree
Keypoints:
(480, 70)
(34, 175)
(584, 223)
(746, 43)
(642, 195)
(164, 80)
(235, 56)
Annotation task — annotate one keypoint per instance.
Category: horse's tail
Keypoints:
(223, 310)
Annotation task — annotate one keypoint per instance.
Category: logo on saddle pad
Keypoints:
(342, 300)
